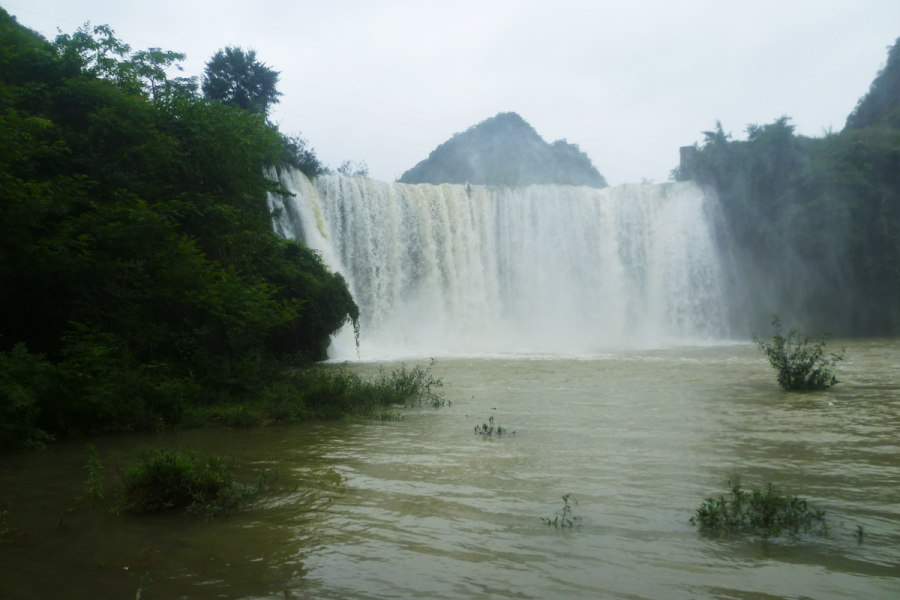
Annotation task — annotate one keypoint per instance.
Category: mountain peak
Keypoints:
(505, 150)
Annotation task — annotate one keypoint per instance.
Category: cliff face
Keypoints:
(505, 150)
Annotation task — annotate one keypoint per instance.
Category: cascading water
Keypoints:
(458, 269)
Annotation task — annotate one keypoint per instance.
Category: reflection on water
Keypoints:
(422, 508)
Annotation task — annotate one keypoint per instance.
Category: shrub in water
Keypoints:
(765, 513)
(329, 392)
(799, 360)
(488, 428)
(165, 480)
(563, 518)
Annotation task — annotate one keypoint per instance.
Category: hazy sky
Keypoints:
(630, 82)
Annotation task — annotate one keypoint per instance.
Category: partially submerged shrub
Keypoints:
(488, 428)
(800, 361)
(764, 513)
(95, 484)
(203, 484)
(563, 518)
(414, 383)
(328, 392)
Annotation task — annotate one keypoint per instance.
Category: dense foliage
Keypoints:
(800, 361)
(505, 150)
(166, 480)
(140, 273)
(764, 513)
(236, 78)
(326, 392)
(813, 223)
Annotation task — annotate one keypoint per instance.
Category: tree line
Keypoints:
(813, 223)
(140, 277)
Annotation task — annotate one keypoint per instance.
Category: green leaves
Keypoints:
(563, 519)
(203, 484)
(812, 223)
(799, 360)
(24, 379)
(235, 78)
(764, 513)
(137, 255)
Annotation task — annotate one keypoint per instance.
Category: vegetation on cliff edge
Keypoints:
(812, 225)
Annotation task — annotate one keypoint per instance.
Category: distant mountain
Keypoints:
(505, 150)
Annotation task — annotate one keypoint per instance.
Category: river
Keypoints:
(424, 508)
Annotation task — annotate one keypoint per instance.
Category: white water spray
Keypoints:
(470, 270)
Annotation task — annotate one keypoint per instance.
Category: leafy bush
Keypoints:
(165, 480)
(765, 513)
(24, 378)
(800, 360)
(415, 383)
(327, 392)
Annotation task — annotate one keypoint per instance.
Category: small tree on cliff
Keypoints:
(236, 78)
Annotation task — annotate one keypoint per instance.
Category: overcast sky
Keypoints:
(630, 82)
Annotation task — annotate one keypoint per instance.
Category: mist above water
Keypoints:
(473, 270)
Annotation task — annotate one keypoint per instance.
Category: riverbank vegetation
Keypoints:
(813, 224)
(142, 283)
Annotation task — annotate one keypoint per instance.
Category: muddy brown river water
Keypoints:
(423, 508)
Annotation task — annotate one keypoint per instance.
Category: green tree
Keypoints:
(236, 78)
(139, 272)
(150, 66)
(95, 51)
(298, 154)
(812, 225)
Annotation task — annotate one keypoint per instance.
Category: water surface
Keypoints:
(423, 508)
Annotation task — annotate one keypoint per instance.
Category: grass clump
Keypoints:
(564, 518)
(202, 484)
(95, 485)
(800, 360)
(764, 513)
(324, 392)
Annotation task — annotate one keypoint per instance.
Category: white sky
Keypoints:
(629, 81)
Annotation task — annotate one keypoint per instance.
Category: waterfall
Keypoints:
(464, 270)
